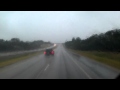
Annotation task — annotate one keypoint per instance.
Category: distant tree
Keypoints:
(109, 41)
(15, 44)
(73, 39)
(15, 40)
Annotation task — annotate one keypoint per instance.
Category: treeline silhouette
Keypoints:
(109, 41)
(15, 44)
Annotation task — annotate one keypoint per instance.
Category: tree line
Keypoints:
(15, 44)
(108, 41)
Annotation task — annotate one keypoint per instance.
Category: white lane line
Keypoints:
(80, 67)
(42, 71)
(83, 70)
(38, 75)
(46, 67)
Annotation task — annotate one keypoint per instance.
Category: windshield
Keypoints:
(82, 44)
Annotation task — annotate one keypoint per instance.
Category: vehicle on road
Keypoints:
(49, 52)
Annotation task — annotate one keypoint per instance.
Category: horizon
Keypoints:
(56, 26)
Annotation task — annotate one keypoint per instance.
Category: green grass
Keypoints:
(17, 58)
(111, 59)
(5, 61)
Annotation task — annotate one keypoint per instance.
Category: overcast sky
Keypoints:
(56, 26)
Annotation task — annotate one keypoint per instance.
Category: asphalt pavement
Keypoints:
(63, 65)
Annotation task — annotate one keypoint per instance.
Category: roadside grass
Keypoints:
(111, 59)
(5, 61)
(10, 60)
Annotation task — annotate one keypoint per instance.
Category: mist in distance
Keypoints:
(56, 26)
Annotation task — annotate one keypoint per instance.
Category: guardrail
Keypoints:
(23, 52)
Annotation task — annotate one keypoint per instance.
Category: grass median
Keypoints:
(8, 60)
(109, 58)
(4, 61)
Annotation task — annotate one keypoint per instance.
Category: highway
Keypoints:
(23, 52)
(63, 65)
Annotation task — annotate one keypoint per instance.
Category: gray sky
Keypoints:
(56, 26)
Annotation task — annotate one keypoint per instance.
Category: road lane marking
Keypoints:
(42, 71)
(83, 70)
(38, 75)
(46, 67)
(80, 67)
